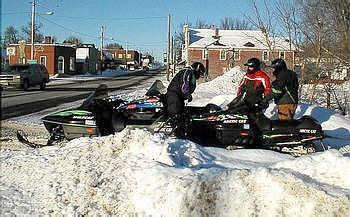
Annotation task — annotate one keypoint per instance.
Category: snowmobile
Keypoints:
(235, 128)
(92, 118)
(101, 115)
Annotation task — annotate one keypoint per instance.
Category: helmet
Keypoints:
(278, 64)
(198, 69)
(253, 62)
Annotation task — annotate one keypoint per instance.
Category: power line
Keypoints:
(63, 27)
(105, 18)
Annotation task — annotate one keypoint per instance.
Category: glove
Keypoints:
(264, 104)
(189, 99)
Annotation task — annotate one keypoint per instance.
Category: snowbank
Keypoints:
(135, 172)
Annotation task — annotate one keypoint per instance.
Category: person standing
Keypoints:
(284, 89)
(256, 86)
(180, 89)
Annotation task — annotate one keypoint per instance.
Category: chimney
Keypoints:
(216, 33)
(48, 40)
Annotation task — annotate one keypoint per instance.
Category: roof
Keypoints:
(43, 44)
(201, 38)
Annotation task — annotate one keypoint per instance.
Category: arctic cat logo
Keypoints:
(235, 121)
(307, 131)
(83, 117)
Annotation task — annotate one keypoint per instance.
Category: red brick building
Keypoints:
(56, 57)
(220, 50)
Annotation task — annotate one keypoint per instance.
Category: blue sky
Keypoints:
(141, 24)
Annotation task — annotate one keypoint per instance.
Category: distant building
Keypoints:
(56, 57)
(220, 50)
(127, 58)
(86, 58)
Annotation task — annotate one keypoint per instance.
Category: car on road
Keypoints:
(24, 76)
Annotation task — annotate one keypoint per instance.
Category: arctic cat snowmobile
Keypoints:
(93, 118)
(101, 115)
(237, 128)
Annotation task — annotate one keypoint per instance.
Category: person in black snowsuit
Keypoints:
(180, 89)
(284, 89)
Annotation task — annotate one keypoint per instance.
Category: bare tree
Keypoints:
(263, 22)
(113, 46)
(72, 40)
(200, 24)
(229, 23)
(10, 35)
(26, 30)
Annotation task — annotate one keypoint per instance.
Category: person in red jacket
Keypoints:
(256, 86)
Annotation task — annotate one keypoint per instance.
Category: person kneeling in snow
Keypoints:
(180, 89)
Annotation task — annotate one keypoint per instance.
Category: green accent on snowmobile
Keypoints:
(73, 112)
(276, 91)
(275, 136)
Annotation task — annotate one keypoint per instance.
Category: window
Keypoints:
(60, 64)
(128, 56)
(282, 55)
(222, 55)
(236, 55)
(43, 60)
(120, 55)
(265, 56)
(22, 60)
(71, 64)
(204, 54)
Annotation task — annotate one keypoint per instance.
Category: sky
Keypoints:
(138, 24)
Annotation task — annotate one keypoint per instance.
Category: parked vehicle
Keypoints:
(25, 76)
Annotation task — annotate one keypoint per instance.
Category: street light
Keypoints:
(33, 26)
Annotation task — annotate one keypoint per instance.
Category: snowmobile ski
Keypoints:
(22, 137)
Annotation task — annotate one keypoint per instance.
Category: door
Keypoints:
(60, 64)
(34, 74)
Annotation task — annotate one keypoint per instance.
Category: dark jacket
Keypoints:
(180, 89)
(183, 84)
(285, 87)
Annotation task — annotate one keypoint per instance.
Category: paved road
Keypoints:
(17, 102)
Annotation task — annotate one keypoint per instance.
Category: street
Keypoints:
(16, 102)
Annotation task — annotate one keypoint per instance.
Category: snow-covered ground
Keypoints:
(135, 172)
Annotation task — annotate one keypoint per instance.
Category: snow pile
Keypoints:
(135, 172)
(138, 173)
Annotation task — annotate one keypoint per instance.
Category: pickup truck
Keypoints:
(24, 76)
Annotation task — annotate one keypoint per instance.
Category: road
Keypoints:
(17, 102)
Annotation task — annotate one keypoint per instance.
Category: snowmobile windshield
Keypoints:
(99, 93)
(238, 103)
(156, 89)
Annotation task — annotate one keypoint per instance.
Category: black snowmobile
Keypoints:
(93, 118)
(101, 115)
(237, 128)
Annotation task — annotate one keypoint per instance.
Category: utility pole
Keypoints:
(173, 55)
(126, 55)
(101, 54)
(168, 51)
(33, 32)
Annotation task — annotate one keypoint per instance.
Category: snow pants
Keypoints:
(175, 107)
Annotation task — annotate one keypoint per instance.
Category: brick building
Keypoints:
(125, 57)
(56, 57)
(220, 50)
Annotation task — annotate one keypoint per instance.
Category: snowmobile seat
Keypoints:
(284, 124)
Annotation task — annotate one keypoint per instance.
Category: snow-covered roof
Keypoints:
(201, 38)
